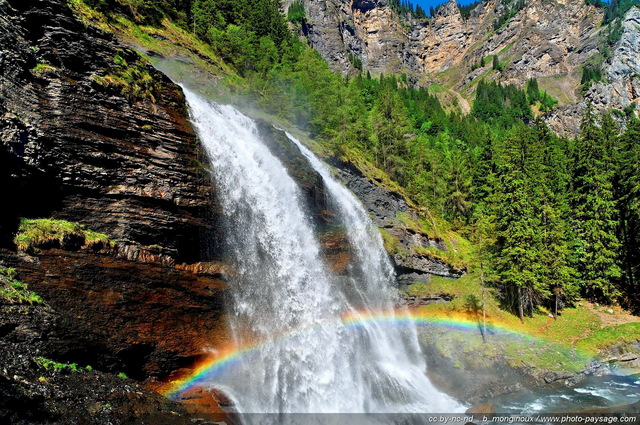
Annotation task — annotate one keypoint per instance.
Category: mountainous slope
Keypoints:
(550, 41)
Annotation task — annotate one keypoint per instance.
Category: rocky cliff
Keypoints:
(89, 142)
(92, 134)
(365, 28)
(621, 87)
(550, 41)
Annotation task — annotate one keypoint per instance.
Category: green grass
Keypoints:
(544, 355)
(459, 252)
(56, 366)
(506, 49)
(610, 335)
(468, 350)
(567, 343)
(391, 244)
(572, 325)
(35, 233)
(374, 174)
(555, 86)
(88, 15)
(436, 88)
(465, 286)
(14, 291)
(132, 80)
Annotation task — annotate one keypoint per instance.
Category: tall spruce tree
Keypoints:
(554, 181)
(516, 204)
(595, 212)
(629, 204)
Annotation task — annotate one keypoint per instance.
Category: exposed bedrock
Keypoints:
(82, 140)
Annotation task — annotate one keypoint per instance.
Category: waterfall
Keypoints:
(309, 359)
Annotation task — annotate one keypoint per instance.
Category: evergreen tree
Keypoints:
(516, 206)
(533, 91)
(630, 210)
(496, 63)
(554, 182)
(296, 13)
(390, 123)
(595, 213)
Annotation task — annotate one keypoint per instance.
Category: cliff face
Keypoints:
(90, 133)
(80, 148)
(622, 70)
(365, 28)
(550, 41)
(536, 39)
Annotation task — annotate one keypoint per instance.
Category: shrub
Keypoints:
(132, 80)
(296, 13)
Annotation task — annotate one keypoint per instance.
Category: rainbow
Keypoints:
(221, 360)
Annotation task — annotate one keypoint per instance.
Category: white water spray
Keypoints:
(284, 294)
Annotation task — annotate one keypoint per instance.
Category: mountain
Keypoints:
(551, 41)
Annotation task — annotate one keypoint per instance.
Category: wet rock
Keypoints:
(308, 180)
(127, 166)
(383, 206)
(426, 264)
(417, 301)
(337, 250)
(482, 409)
(625, 358)
(556, 376)
(209, 403)
(31, 393)
(142, 319)
(380, 203)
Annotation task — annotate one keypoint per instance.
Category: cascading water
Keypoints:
(286, 297)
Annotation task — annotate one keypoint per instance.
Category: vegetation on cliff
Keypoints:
(35, 233)
(13, 290)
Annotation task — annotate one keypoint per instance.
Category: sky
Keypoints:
(426, 4)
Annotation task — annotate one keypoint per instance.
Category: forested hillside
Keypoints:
(551, 218)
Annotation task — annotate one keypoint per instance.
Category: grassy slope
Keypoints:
(568, 343)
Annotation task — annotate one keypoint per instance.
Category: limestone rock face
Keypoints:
(367, 29)
(538, 39)
(620, 89)
(550, 41)
(622, 71)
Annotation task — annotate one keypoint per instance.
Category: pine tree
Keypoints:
(554, 181)
(496, 63)
(595, 213)
(516, 206)
(629, 204)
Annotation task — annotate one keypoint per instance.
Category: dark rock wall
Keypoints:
(73, 149)
(127, 165)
